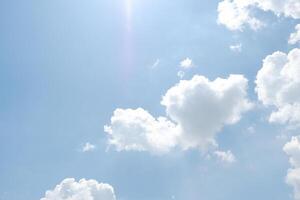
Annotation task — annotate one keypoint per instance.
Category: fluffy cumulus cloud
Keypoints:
(69, 189)
(136, 129)
(278, 85)
(236, 14)
(196, 109)
(201, 107)
(295, 37)
(292, 149)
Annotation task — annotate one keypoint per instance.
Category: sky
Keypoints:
(149, 100)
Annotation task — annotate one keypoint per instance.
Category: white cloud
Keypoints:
(88, 147)
(295, 37)
(155, 64)
(225, 156)
(180, 74)
(236, 14)
(292, 149)
(198, 108)
(278, 85)
(293, 179)
(69, 189)
(236, 47)
(202, 107)
(287, 8)
(138, 130)
(186, 63)
(251, 129)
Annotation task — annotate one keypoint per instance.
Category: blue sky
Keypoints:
(65, 66)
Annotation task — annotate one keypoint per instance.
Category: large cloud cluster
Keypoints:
(292, 149)
(69, 189)
(236, 14)
(278, 85)
(197, 109)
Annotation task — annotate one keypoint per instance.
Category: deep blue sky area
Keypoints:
(66, 65)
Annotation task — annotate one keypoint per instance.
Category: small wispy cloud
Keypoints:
(236, 47)
(88, 147)
(155, 64)
(186, 63)
(251, 129)
(180, 74)
(225, 156)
